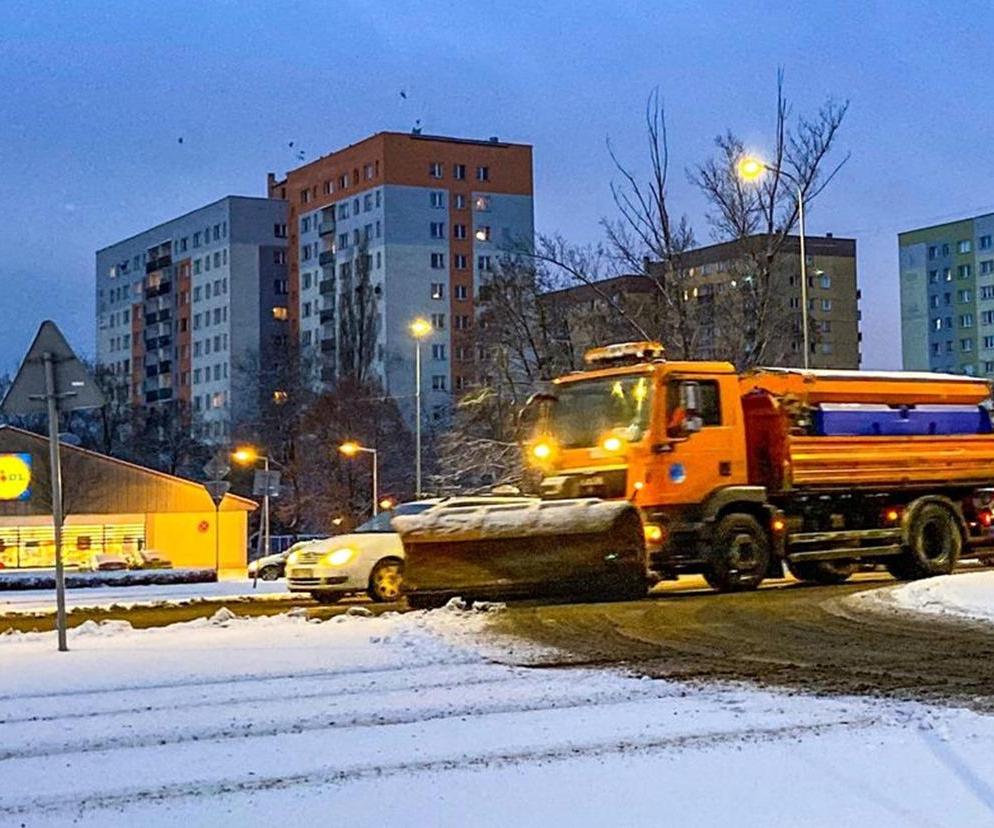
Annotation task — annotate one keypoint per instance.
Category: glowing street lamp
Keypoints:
(750, 169)
(249, 456)
(420, 328)
(350, 448)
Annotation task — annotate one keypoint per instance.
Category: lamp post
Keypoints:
(246, 456)
(420, 328)
(351, 449)
(751, 169)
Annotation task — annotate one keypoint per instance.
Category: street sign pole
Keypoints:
(55, 463)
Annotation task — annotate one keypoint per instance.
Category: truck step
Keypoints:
(845, 553)
(847, 535)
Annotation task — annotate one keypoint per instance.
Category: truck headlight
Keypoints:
(653, 533)
(340, 557)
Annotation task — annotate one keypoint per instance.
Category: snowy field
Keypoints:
(423, 719)
(33, 600)
(966, 596)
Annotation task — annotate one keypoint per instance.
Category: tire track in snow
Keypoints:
(473, 761)
(249, 730)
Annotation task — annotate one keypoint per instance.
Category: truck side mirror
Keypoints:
(690, 402)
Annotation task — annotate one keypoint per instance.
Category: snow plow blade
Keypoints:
(586, 547)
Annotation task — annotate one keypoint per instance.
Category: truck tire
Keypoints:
(822, 572)
(739, 556)
(933, 544)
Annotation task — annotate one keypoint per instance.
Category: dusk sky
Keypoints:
(94, 96)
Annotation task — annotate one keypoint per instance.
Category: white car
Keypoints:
(370, 559)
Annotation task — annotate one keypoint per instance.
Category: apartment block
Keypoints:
(947, 297)
(832, 294)
(187, 310)
(417, 222)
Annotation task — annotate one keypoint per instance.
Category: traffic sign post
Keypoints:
(217, 488)
(52, 380)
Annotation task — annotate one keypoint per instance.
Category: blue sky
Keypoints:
(93, 96)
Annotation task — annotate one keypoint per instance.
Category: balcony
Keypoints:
(327, 315)
(328, 373)
(326, 228)
(157, 264)
(327, 346)
(326, 287)
(158, 290)
(326, 257)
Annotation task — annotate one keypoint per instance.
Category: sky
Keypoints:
(95, 95)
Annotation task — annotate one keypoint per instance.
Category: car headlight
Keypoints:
(291, 558)
(340, 557)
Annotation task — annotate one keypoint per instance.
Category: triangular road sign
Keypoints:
(74, 386)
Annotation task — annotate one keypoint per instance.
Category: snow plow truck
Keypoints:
(653, 468)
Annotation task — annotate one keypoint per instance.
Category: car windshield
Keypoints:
(585, 411)
(381, 523)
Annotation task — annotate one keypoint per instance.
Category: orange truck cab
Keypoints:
(735, 475)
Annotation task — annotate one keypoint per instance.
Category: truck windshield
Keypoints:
(585, 411)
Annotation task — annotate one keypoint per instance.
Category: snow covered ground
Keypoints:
(414, 720)
(968, 595)
(33, 600)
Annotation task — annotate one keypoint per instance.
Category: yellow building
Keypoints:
(112, 507)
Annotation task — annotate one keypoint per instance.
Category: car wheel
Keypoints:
(327, 597)
(269, 573)
(385, 581)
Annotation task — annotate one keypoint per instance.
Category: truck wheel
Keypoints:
(933, 544)
(385, 581)
(739, 556)
(822, 572)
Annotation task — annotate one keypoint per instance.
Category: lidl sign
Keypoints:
(15, 476)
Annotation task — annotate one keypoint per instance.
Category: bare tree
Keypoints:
(759, 219)
(358, 317)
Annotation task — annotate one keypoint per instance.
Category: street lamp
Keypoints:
(351, 449)
(749, 169)
(420, 328)
(249, 456)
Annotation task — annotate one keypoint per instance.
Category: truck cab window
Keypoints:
(709, 413)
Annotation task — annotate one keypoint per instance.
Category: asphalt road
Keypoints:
(785, 635)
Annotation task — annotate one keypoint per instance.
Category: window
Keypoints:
(438, 321)
(483, 263)
(966, 320)
(280, 312)
(461, 292)
(945, 250)
(989, 341)
(932, 251)
(196, 294)
(306, 310)
(343, 210)
(355, 207)
(438, 261)
(438, 382)
(966, 344)
(367, 172)
(964, 271)
(460, 260)
(826, 304)
(458, 231)
(987, 318)
(459, 172)
(985, 242)
(964, 296)
(196, 237)
(306, 280)
(356, 238)
(459, 201)
(437, 199)
(196, 265)
(482, 204)
(367, 232)
(987, 266)
(305, 196)
(343, 182)
(933, 301)
(483, 233)
(378, 196)
(963, 246)
(462, 322)
(435, 170)
(483, 173)
(305, 224)
(343, 241)
(438, 352)
(306, 254)
(933, 277)
(710, 410)
(825, 281)
(437, 290)
(279, 257)
(826, 347)
(438, 229)
(947, 275)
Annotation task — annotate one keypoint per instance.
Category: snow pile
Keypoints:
(45, 579)
(965, 596)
